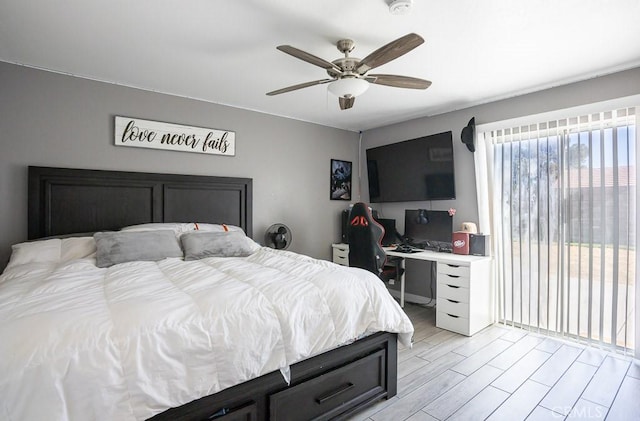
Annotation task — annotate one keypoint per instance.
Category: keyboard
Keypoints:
(406, 249)
(424, 246)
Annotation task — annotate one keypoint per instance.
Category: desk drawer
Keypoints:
(460, 281)
(341, 254)
(454, 270)
(452, 323)
(329, 395)
(453, 292)
(453, 307)
(341, 251)
(341, 260)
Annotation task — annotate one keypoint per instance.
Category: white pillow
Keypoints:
(48, 251)
(217, 227)
(77, 248)
(53, 250)
(180, 228)
(177, 228)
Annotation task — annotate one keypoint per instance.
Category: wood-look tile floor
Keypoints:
(506, 374)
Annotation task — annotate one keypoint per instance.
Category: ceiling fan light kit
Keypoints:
(349, 75)
(400, 7)
(348, 87)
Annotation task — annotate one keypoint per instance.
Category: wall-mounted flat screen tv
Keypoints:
(416, 169)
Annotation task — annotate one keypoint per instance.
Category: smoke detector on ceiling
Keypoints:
(400, 7)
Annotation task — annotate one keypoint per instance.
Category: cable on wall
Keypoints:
(360, 166)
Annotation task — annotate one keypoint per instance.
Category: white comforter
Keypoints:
(127, 342)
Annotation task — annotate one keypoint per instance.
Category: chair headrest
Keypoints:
(360, 215)
(365, 235)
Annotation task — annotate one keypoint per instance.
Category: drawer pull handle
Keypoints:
(453, 276)
(453, 266)
(335, 393)
(454, 316)
(453, 301)
(453, 286)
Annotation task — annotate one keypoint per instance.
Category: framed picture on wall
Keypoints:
(340, 180)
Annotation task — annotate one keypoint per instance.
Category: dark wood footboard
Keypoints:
(332, 385)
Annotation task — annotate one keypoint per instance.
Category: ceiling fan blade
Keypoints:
(389, 52)
(309, 58)
(346, 102)
(398, 81)
(299, 86)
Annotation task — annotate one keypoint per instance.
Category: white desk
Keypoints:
(464, 294)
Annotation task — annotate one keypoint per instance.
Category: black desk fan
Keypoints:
(278, 236)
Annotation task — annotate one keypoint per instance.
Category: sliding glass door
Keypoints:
(564, 211)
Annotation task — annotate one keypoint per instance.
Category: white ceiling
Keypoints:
(225, 52)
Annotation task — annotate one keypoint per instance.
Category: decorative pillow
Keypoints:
(201, 244)
(121, 247)
(43, 251)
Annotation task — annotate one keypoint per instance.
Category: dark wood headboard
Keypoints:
(65, 201)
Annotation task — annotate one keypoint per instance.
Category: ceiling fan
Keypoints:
(349, 75)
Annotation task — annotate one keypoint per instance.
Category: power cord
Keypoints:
(433, 275)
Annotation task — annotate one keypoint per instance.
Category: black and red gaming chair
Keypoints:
(365, 248)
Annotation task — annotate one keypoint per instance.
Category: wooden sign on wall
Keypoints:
(139, 133)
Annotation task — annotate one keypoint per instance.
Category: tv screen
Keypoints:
(416, 169)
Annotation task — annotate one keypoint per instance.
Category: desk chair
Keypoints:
(365, 249)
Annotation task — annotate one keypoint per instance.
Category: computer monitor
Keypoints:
(422, 226)
(389, 226)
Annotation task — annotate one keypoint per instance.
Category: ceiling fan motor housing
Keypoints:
(348, 66)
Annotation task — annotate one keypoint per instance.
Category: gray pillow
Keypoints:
(120, 247)
(201, 244)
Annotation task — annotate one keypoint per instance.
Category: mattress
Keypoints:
(129, 341)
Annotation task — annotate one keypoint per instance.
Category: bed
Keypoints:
(92, 328)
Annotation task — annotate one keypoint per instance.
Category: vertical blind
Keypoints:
(564, 212)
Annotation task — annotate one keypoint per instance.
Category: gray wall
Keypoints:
(56, 120)
(604, 88)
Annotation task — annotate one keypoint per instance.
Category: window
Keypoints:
(564, 216)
